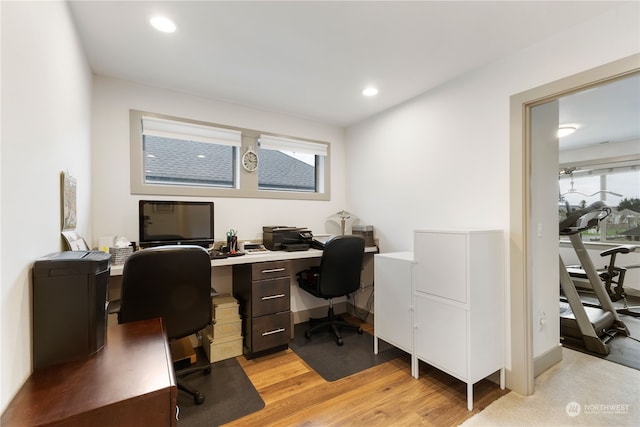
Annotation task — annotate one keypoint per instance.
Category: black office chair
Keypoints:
(174, 283)
(338, 275)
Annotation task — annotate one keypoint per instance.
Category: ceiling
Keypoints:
(608, 113)
(312, 59)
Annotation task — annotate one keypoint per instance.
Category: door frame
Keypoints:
(520, 377)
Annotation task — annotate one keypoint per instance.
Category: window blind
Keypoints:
(153, 126)
(269, 142)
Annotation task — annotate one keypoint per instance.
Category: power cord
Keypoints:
(363, 313)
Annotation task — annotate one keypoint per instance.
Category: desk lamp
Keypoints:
(344, 216)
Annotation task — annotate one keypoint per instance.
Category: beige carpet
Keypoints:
(581, 390)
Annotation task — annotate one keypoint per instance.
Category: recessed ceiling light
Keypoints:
(370, 91)
(163, 24)
(565, 130)
(201, 156)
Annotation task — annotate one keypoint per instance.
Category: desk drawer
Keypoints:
(270, 331)
(270, 270)
(270, 296)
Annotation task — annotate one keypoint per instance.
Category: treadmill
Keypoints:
(610, 275)
(591, 326)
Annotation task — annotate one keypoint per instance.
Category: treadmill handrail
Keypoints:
(593, 214)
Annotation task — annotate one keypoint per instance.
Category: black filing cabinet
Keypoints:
(69, 306)
(263, 291)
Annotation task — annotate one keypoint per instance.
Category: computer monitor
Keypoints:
(173, 222)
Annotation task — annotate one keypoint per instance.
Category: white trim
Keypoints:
(521, 374)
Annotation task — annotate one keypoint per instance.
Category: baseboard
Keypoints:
(547, 360)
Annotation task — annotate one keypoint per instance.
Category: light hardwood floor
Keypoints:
(385, 395)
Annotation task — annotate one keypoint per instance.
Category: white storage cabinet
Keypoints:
(393, 301)
(458, 281)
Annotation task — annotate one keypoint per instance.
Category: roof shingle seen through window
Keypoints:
(278, 170)
(168, 160)
(174, 160)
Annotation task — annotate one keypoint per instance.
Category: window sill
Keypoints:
(600, 245)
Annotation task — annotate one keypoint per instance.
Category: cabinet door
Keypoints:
(392, 300)
(441, 335)
(441, 264)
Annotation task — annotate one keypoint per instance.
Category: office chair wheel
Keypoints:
(360, 331)
(340, 342)
(307, 334)
(207, 371)
(198, 398)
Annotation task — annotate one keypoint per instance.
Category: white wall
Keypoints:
(600, 151)
(544, 224)
(116, 209)
(442, 159)
(46, 90)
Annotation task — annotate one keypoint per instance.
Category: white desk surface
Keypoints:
(116, 269)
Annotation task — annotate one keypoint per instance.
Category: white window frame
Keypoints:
(246, 182)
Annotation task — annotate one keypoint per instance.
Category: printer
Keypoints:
(285, 238)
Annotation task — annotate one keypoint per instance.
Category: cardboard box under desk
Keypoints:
(225, 308)
(223, 348)
(224, 328)
(182, 349)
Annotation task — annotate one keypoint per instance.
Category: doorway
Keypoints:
(524, 226)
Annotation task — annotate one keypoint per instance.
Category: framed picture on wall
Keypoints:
(69, 207)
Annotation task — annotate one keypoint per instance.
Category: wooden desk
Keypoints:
(130, 382)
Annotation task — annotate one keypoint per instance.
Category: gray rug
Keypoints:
(229, 395)
(333, 362)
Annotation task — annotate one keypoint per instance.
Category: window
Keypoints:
(618, 187)
(177, 153)
(180, 157)
(290, 165)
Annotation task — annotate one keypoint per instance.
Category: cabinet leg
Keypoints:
(375, 344)
(502, 379)
(470, 396)
(415, 367)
